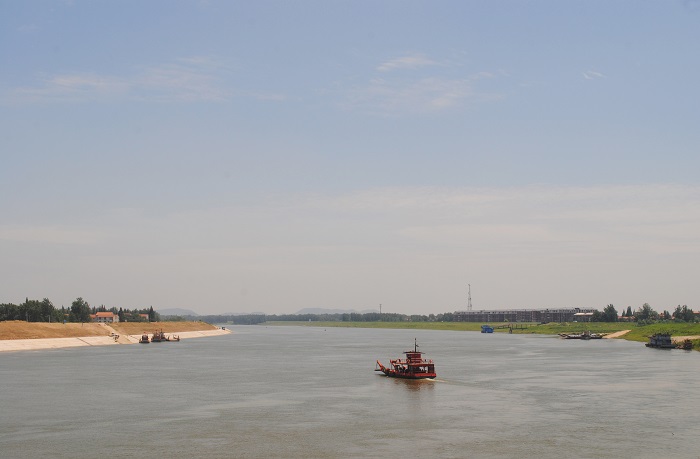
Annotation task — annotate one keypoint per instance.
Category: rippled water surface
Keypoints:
(303, 392)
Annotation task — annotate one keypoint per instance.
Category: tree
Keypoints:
(9, 311)
(31, 311)
(80, 311)
(629, 311)
(684, 314)
(48, 312)
(445, 317)
(688, 315)
(645, 313)
(609, 314)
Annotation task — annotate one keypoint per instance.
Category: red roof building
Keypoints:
(105, 317)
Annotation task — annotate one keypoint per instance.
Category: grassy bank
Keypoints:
(637, 332)
(455, 326)
(500, 327)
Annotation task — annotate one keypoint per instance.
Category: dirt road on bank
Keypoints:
(617, 334)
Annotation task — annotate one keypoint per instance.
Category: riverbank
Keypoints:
(23, 336)
(629, 331)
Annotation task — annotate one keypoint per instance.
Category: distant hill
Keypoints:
(333, 311)
(237, 314)
(176, 312)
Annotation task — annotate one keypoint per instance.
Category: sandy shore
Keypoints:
(56, 343)
(617, 334)
(678, 339)
(184, 335)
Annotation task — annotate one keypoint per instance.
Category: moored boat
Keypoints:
(159, 336)
(584, 335)
(414, 366)
(144, 339)
(660, 341)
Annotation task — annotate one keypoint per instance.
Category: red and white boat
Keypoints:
(414, 366)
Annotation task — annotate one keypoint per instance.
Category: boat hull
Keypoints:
(396, 374)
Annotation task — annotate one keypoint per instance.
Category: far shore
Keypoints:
(628, 331)
(19, 336)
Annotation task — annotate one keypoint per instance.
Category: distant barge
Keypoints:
(661, 341)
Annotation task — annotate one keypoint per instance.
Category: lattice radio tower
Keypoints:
(469, 301)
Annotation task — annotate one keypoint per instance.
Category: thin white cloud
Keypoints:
(426, 95)
(592, 75)
(431, 90)
(406, 62)
(72, 87)
(188, 79)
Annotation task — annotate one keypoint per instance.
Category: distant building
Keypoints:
(522, 315)
(582, 317)
(105, 317)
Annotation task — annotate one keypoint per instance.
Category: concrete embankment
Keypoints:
(56, 343)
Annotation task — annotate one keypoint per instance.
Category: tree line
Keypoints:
(645, 315)
(253, 319)
(79, 311)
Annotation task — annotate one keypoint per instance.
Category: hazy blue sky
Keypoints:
(269, 156)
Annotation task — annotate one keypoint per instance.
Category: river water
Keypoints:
(304, 392)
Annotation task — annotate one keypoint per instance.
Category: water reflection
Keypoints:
(412, 385)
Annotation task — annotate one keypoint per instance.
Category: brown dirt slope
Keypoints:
(18, 329)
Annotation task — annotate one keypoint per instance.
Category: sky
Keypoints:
(269, 156)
